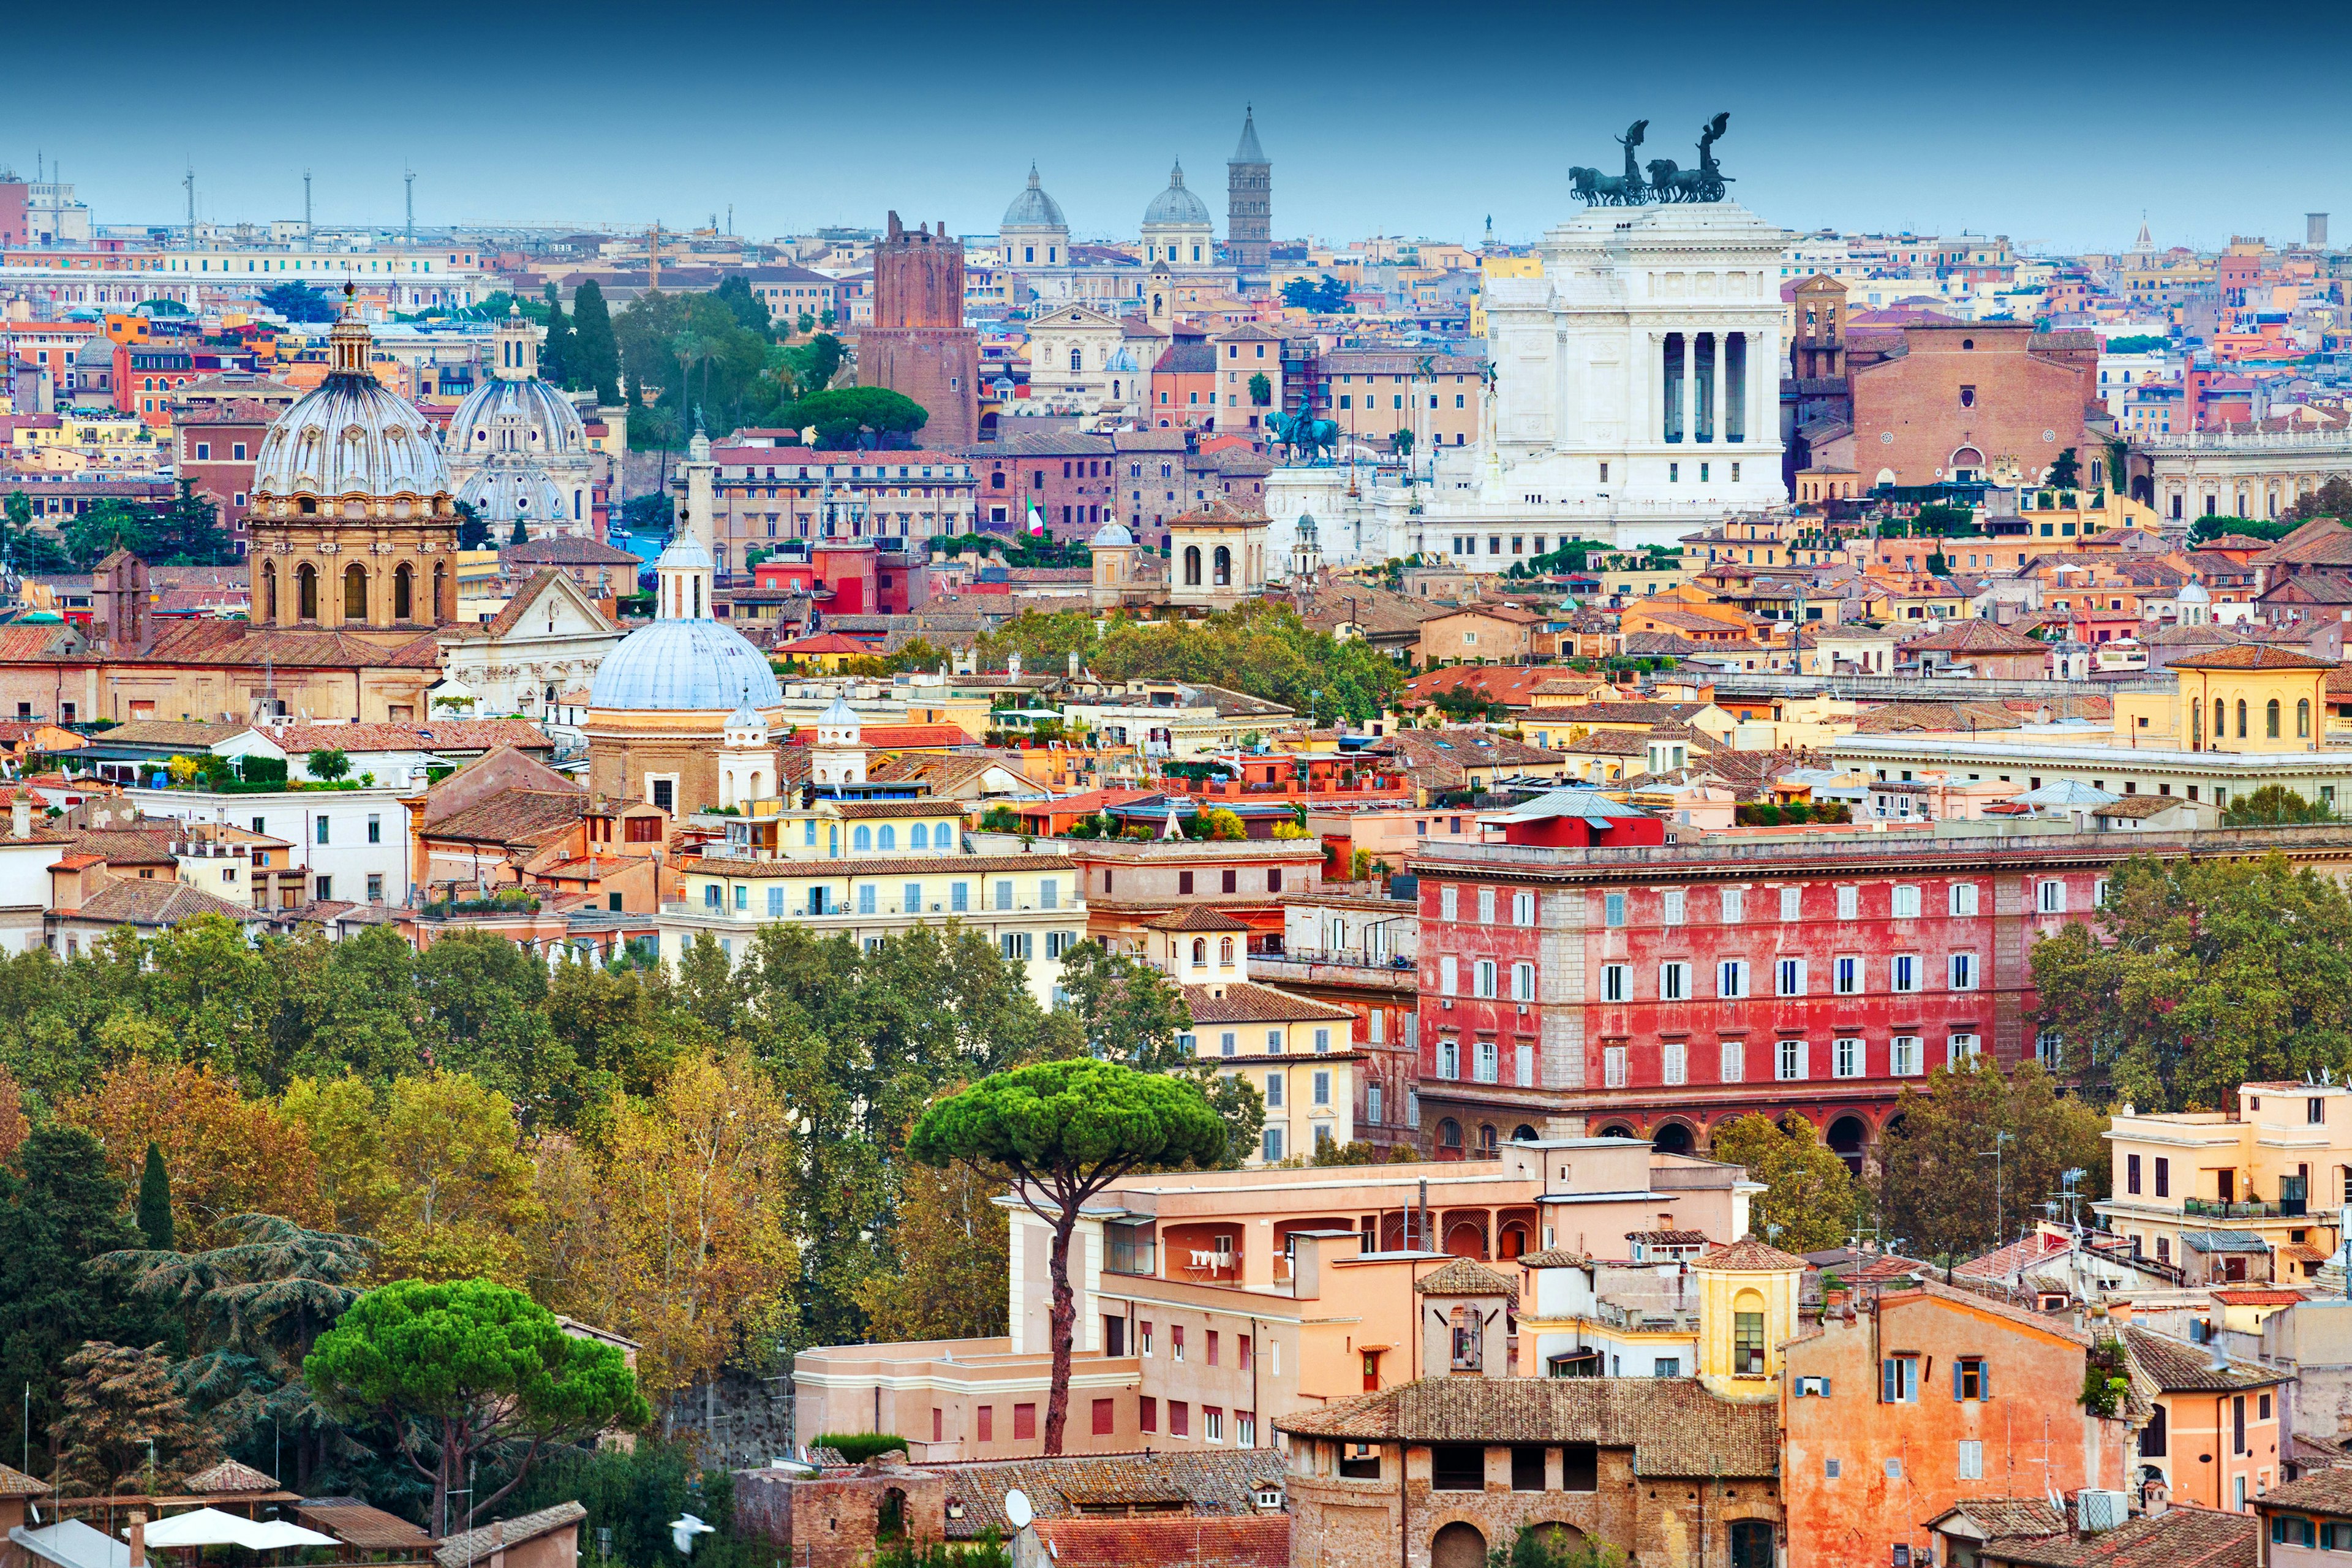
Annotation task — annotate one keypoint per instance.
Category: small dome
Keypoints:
(509, 490)
(1111, 535)
(550, 426)
(685, 665)
(1177, 208)
(2193, 593)
(745, 718)
(1033, 208)
(838, 715)
(683, 553)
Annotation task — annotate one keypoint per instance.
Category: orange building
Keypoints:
(2213, 1438)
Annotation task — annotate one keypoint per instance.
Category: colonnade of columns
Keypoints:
(1705, 386)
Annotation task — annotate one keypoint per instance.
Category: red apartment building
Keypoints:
(1655, 991)
(217, 428)
(1071, 481)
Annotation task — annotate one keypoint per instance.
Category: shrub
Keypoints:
(859, 1446)
(265, 770)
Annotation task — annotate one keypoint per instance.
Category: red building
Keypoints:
(147, 374)
(847, 577)
(217, 424)
(1654, 993)
(917, 344)
(1071, 481)
(1184, 384)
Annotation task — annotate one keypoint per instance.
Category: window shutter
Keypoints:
(1984, 1380)
(1955, 1377)
(1825, 1387)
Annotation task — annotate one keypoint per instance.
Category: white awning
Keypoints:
(211, 1527)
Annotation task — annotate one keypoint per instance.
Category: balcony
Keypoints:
(2212, 1209)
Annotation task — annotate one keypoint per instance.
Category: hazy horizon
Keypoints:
(2010, 119)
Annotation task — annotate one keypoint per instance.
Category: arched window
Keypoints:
(2241, 718)
(1225, 952)
(918, 836)
(2270, 720)
(2221, 722)
(1449, 1134)
(886, 838)
(404, 591)
(1223, 563)
(2302, 720)
(268, 590)
(1200, 953)
(861, 837)
(440, 583)
(1076, 364)
(306, 592)
(355, 592)
(1192, 566)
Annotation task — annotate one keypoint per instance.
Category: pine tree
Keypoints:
(520, 535)
(155, 1202)
(121, 1417)
(555, 355)
(593, 356)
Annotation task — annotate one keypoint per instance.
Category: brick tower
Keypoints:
(1249, 201)
(918, 344)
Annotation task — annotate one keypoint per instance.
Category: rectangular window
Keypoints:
(1184, 886)
(1904, 972)
(1735, 905)
(1791, 1063)
(742, 898)
(1523, 982)
(1971, 1459)
(1849, 903)
(1673, 1062)
(1846, 1057)
(1960, 1049)
(1964, 897)
(1734, 1062)
(1485, 906)
(1612, 910)
(1004, 895)
(1616, 981)
(1025, 1422)
(1670, 907)
(374, 886)
(1906, 902)
(1488, 1061)
(1898, 1380)
(1103, 1419)
(1449, 1059)
(322, 830)
(375, 828)
(1903, 1055)
(1790, 977)
(1523, 909)
(1846, 976)
(1673, 982)
(2163, 1177)
(1613, 1066)
(2131, 1173)
(1273, 1090)
(1049, 893)
(1448, 902)
(1448, 976)
(1968, 1378)
(2051, 897)
(1212, 1423)
(1483, 977)
(1747, 1344)
(985, 1422)
(1322, 1040)
(866, 898)
(1180, 1418)
(1963, 976)
(1731, 979)
(1322, 1090)
(775, 903)
(959, 897)
(1792, 903)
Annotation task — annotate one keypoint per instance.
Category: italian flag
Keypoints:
(1037, 519)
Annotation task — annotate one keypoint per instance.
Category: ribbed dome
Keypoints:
(511, 488)
(1111, 535)
(1033, 208)
(352, 437)
(1176, 206)
(685, 665)
(549, 424)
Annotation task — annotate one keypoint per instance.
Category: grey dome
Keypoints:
(1111, 535)
(1033, 208)
(352, 435)
(550, 425)
(510, 489)
(685, 665)
(1177, 208)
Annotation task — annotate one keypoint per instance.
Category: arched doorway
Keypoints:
(1563, 1541)
(1847, 1136)
(269, 591)
(1222, 563)
(1523, 1133)
(1514, 1241)
(1616, 1130)
(1672, 1138)
(1966, 465)
(1458, 1545)
(1466, 1238)
(306, 592)
(355, 592)
(404, 591)
(1751, 1543)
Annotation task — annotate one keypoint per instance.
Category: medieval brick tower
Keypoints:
(918, 344)
(1249, 201)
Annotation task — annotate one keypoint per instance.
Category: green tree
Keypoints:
(1331, 297)
(1261, 391)
(842, 413)
(1808, 1201)
(1400, 442)
(466, 1368)
(2274, 806)
(557, 350)
(473, 533)
(2066, 473)
(328, 763)
(1262, 647)
(298, 303)
(734, 291)
(593, 358)
(2205, 975)
(107, 527)
(953, 1285)
(155, 1201)
(1066, 1130)
(1940, 1192)
(2332, 498)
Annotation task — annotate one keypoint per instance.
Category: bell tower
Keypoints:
(514, 347)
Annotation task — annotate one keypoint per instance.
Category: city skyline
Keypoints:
(1358, 149)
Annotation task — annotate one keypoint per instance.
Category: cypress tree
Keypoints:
(555, 355)
(596, 357)
(155, 1202)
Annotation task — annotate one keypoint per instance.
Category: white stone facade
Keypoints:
(1637, 382)
(2259, 474)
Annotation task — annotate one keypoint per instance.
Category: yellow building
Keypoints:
(1528, 266)
(2279, 1166)
(1747, 1312)
(2253, 697)
(1299, 1055)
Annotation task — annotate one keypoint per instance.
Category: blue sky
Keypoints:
(2056, 123)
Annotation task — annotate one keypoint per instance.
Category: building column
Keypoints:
(1717, 429)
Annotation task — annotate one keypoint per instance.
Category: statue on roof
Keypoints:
(1663, 180)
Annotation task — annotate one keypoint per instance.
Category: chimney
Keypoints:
(20, 815)
(137, 1534)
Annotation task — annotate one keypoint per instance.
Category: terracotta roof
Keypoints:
(2011, 1517)
(469, 1547)
(229, 1475)
(1247, 1003)
(442, 735)
(1552, 1258)
(1748, 1256)
(1194, 917)
(1977, 636)
(192, 734)
(2327, 1491)
(2258, 1298)
(1209, 1483)
(1898, 717)
(875, 810)
(2183, 1536)
(510, 816)
(1674, 1426)
(1464, 1278)
(2252, 656)
(155, 901)
(1671, 1238)
(242, 644)
(1507, 685)
(14, 1482)
(567, 551)
(356, 1523)
(2176, 1366)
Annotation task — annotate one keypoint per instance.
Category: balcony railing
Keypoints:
(2212, 1209)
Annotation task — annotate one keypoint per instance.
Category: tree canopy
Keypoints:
(2274, 806)
(1810, 1199)
(1940, 1193)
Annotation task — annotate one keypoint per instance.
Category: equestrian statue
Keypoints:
(1663, 180)
(1303, 433)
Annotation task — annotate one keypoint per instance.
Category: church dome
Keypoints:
(351, 438)
(1033, 208)
(685, 665)
(545, 422)
(1177, 208)
(503, 494)
(1111, 535)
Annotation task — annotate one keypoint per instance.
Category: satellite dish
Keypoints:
(1017, 1509)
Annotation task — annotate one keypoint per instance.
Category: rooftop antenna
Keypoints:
(409, 176)
(306, 204)
(189, 180)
